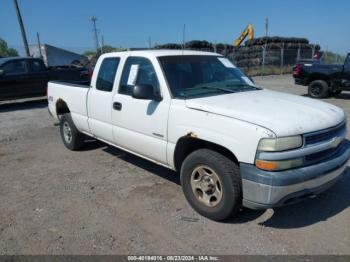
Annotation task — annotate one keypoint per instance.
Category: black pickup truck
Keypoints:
(323, 80)
(28, 77)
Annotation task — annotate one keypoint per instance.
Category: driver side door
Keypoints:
(14, 82)
(140, 125)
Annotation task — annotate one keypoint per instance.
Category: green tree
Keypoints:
(105, 49)
(89, 53)
(333, 58)
(5, 51)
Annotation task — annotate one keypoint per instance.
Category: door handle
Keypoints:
(117, 106)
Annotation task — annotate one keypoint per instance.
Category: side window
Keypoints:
(146, 74)
(15, 67)
(106, 74)
(36, 66)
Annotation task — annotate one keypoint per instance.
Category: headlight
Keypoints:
(280, 144)
(278, 165)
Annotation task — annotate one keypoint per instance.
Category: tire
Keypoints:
(318, 89)
(205, 169)
(71, 137)
(336, 92)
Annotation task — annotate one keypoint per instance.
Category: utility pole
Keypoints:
(183, 36)
(102, 43)
(93, 20)
(266, 26)
(21, 25)
(39, 44)
(149, 42)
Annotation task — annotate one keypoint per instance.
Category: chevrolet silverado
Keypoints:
(233, 143)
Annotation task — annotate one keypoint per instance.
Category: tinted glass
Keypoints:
(15, 67)
(36, 66)
(193, 76)
(146, 75)
(106, 74)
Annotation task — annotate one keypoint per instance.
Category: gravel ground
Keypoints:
(104, 201)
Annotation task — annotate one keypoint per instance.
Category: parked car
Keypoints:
(28, 77)
(323, 79)
(232, 142)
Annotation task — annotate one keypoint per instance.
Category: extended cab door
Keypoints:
(100, 99)
(140, 125)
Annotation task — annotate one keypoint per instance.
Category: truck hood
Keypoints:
(282, 113)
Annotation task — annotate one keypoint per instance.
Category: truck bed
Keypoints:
(75, 95)
(81, 84)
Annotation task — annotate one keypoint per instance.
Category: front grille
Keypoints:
(326, 135)
(326, 154)
(319, 156)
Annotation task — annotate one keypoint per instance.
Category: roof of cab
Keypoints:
(163, 52)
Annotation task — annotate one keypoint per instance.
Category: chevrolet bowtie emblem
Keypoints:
(336, 141)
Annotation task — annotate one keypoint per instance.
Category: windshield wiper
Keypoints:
(218, 88)
(243, 87)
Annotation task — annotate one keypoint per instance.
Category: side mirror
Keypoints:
(145, 92)
(2, 72)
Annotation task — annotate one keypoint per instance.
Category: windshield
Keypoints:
(199, 75)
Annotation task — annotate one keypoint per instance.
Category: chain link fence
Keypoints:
(270, 58)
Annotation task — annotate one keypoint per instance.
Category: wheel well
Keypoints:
(61, 107)
(319, 77)
(187, 144)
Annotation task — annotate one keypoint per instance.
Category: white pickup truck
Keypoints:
(232, 142)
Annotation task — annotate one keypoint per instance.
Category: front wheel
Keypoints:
(70, 135)
(211, 184)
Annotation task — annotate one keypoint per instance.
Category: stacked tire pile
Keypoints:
(192, 45)
(251, 54)
(201, 45)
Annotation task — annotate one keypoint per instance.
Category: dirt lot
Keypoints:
(104, 201)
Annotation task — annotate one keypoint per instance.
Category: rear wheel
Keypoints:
(211, 184)
(318, 89)
(70, 135)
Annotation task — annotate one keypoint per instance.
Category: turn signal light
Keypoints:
(278, 165)
(266, 165)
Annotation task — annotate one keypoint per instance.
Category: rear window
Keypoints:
(106, 74)
(36, 66)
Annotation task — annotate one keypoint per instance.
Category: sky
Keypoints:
(130, 23)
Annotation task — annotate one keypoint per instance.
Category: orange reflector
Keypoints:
(266, 165)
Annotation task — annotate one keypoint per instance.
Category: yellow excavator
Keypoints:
(248, 32)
